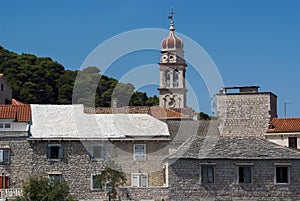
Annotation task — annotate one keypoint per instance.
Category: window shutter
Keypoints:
(60, 153)
(1, 156)
(135, 181)
(103, 152)
(5, 155)
(48, 152)
(247, 174)
(210, 174)
(143, 180)
(91, 152)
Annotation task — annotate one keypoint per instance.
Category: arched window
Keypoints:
(167, 78)
(176, 78)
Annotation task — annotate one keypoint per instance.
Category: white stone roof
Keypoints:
(70, 122)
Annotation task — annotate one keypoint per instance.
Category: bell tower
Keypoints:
(172, 91)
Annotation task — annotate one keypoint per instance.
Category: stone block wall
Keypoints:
(185, 183)
(245, 114)
(19, 167)
(152, 193)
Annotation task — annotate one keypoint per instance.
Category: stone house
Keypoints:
(234, 169)
(5, 91)
(15, 151)
(70, 145)
(285, 132)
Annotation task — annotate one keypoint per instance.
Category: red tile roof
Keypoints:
(284, 125)
(164, 113)
(16, 102)
(20, 113)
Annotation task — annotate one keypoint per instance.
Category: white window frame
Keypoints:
(92, 183)
(288, 172)
(3, 126)
(4, 151)
(103, 152)
(60, 154)
(214, 173)
(140, 176)
(139, 157)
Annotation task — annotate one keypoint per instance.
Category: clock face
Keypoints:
(172, 58)
(164, 58)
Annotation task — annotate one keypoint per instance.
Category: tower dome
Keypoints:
(172, 42)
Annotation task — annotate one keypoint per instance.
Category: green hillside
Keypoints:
(41, 80)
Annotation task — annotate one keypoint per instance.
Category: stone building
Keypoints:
(15, 151)
(285, 132)
(73, 146)
(234, 169)
(244, 111)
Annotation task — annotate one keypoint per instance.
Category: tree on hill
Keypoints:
(42, 80)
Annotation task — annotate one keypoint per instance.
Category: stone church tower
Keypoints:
(172, 91)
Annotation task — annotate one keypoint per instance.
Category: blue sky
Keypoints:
(251, 42)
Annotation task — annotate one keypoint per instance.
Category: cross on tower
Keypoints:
(171, 14)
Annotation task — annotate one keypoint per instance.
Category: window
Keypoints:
(96, 183)
(5, 126)
(55, 176)
(140, 152)
(4, 182)
(97, 152)
(4, 155)
(207, 174)
(139, 180)
(55, 151)
(293, 142)
(244, 174)
(282, 174)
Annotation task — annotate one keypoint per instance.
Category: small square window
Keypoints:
(56, 177)
(244, 174)
(139, 152)
(7, 125)
(207, 174)
(96, 184)
(55, 151)
(97, 152)
(282, 174)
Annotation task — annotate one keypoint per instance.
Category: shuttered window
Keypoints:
(139, 152)
(55, 151)
(4, 155)
(97, 152)
(207, 174)
(139, 180)
(244, 174)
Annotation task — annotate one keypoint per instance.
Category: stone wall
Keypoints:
(137, 194)
(245, 114)
(19, 167)
(185, 181)
(76, 167)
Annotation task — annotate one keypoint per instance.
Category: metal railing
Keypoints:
(10, 193)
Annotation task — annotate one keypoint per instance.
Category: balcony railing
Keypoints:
(10, 193)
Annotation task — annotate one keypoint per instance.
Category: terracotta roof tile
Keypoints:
(164, 113)
(16, 102)
(18, 112)
(281, 125)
